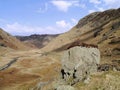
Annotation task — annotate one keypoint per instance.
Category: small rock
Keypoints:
(86, 81)
(65, 87)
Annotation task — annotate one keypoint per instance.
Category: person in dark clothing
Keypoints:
(63, 73)
(74, 73)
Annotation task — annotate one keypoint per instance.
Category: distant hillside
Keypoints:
(37, 40)
(8, 41)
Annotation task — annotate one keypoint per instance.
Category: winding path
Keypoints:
(9, 64)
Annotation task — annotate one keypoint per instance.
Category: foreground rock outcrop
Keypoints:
(78, 63)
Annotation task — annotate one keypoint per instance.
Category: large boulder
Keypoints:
(78, 63)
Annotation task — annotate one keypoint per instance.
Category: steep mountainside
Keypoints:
(37, 40)
(8, 41)
(97, 28)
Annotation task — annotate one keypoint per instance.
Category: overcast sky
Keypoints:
(25, 17)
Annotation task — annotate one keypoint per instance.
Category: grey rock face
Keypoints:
(78, 63)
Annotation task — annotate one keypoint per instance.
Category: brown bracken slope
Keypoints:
(99, 28)
(95, 28)
(8, 41)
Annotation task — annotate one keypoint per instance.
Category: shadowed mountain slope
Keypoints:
(7, 40)
(37, 40)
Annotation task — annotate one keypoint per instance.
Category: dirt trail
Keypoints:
(9, 64)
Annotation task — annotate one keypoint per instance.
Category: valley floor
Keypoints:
(29, 68)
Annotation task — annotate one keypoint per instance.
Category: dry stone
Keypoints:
(65, 87)
(78, 63)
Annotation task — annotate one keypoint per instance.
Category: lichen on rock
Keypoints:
(78, 63)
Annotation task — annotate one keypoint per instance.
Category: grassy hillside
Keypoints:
(90, 28)
(99, 28)
(7, 40)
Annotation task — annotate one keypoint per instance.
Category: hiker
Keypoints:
(63, 73)
(74, 73)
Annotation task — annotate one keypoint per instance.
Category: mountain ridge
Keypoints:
(87, 28)
(37, 40)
